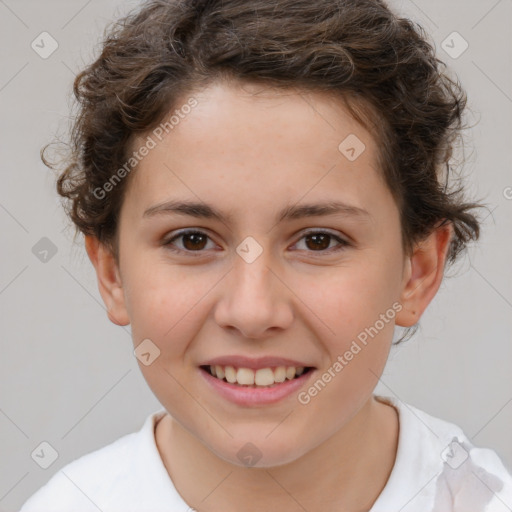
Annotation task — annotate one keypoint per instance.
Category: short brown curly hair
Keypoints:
(382, 66)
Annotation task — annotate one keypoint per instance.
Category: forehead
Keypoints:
(249, 146)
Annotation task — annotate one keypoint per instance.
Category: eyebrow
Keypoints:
(291, 212)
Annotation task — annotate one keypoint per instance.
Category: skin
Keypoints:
(251, 151)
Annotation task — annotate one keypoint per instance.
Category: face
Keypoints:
(252, 287)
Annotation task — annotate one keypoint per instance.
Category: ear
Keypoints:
(109, 280)
(423, 273)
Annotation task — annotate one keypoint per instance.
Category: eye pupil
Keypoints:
(319, 240)
(195, 238)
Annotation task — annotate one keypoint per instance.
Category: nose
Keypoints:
(254, 301)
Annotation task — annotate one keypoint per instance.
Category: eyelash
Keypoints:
(168, 244)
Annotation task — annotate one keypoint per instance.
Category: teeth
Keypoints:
(260, 377)
(290, 372)
(230, 374)
(245, 376)
(219, 371)
(280, 374)
(263, 377)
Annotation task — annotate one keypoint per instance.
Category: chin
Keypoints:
(258, 452)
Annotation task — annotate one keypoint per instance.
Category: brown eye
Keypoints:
(320, 241)
(194, 241)
(191, 241)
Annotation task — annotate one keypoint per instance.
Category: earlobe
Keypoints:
(109, 280)
(423, 274)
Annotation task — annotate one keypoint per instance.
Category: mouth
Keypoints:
(268, 377)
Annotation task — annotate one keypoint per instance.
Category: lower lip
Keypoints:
(242, 395)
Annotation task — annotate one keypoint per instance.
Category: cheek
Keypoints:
(356, 303)
(350, 299)
(165, 307)
(165, 304)
(159, 297)
(357, 307)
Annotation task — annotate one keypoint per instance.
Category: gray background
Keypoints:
(69, 377)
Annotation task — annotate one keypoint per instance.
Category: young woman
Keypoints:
(261, 186)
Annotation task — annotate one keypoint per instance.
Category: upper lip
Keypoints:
(254, 363)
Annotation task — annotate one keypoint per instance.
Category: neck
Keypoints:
(365, 451)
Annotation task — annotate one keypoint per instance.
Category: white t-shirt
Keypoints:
(436, 469)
